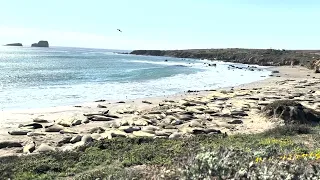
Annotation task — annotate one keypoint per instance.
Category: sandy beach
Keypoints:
(227, 110)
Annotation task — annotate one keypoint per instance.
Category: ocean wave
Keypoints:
(166, 63)
(193, 64)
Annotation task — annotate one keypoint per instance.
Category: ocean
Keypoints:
(58, 76)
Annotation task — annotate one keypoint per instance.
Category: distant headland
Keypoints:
(41, 44)
(263, 57)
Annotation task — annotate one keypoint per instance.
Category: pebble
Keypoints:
(101, 100)
(44, 148)
(64, 140)
(177, 122)
(237, 121)
(212, 131)
(221, 98)
(111, 116)
(97, 130)
(85, 121)
(9, 144)
(38, 120)
(160, 137)
(297, 94)
(160, 116)
(139, 122)
(194, 123)
(188, 104)
(263, 103)
(29, 148)
(65, 122)
(162, 133)
(67, 131)
(154, 112)
(147, 102)
(76, 122)
(75, 139)
(118, 133)
(142, 134)
(96, 136)
(173, 111)
(238, 113)
(211, 111)
(32, 125)
(31, 134)
(245, 108)
(175, 135)
(101, 106)
(148, 116)
(253, 98)
(193, 111)
(170, 127)
(18, 132)
(129, 129)
(54, 128)
(185, 117)
(106, 135)
(124, 122)
(100, 118)
(86, 139)
(150, 128)
(115, 125)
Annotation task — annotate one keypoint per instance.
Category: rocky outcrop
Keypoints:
(291, 112)
(264, 57)
(316, 66)
(14, 44)
(41, 44)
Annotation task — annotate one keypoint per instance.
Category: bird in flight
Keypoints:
(119, 30)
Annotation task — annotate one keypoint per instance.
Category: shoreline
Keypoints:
(17, 104)
(188, 92)
(252, 123)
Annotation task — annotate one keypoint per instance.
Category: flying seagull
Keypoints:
(119, 30)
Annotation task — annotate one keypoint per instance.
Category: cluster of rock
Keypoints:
(249, 68)
(14, 44)
(292, 112)
(39, 44)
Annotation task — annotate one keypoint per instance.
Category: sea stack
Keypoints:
(14, 44)
(40, 44)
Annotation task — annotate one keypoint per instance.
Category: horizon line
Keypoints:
(5, 45)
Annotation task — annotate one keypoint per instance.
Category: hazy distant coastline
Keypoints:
(263, 57)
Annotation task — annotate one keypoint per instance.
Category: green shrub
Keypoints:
(289, 130)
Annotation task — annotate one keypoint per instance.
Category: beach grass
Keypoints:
(196, 157)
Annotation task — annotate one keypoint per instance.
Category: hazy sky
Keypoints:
(163, 24)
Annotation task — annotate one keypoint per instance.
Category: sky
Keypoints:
(163, 24)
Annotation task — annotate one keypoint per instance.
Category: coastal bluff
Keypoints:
(13, 44)
(263, 57)
(41, 44)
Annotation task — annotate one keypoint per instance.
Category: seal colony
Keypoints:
(224, 111)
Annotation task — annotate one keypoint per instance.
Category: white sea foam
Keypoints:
(70, 95)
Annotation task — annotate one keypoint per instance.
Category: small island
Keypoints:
(14, 44)
(41, 44)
